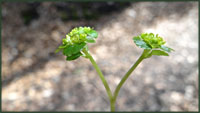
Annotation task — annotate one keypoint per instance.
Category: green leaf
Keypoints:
(73, 49)
(159, 53)
(149, 53)
(89, 39)
(93, 34)
(165, 48)
(140, 43)
(62, 46)
(73, 57)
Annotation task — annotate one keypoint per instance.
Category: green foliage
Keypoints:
(159, 53)
(141, 43)
(74, 56)
(167, 49)
(73, 49)
(76, 41)
(155, 52)
(75, 45)
(152, 43)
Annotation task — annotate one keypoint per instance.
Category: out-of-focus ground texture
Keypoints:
(36, 79)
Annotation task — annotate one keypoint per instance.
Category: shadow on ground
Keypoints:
(34, 76)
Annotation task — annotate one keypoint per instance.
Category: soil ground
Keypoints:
(36, 79)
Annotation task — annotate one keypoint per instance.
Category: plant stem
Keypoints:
(100, 74)
(112, 105)
(125, 77)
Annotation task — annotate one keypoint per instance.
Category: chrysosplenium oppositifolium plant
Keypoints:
(75, 45)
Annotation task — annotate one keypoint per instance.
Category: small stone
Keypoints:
(47, 93)
(189, 91)
(12, 96)
(176, 97)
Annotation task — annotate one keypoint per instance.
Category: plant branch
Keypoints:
(125, 77)
(99, 73)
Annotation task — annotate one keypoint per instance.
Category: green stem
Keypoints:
(112, 105)
(126, 77)
(99, 73)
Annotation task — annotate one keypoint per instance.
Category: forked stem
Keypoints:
(113, 98)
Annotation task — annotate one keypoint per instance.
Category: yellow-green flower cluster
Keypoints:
(150, 41)
(153, 41)
(76, 41)
(80, 35)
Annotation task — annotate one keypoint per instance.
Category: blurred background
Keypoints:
(36, 79)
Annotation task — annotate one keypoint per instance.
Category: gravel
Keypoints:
(36, 79)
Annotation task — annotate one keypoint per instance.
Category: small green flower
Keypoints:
(152, 43)
(76, 40)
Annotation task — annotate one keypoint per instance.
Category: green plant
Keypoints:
(75, 45)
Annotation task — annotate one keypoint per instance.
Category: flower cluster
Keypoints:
(151, 41)
(76, 40)
(80, 35)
